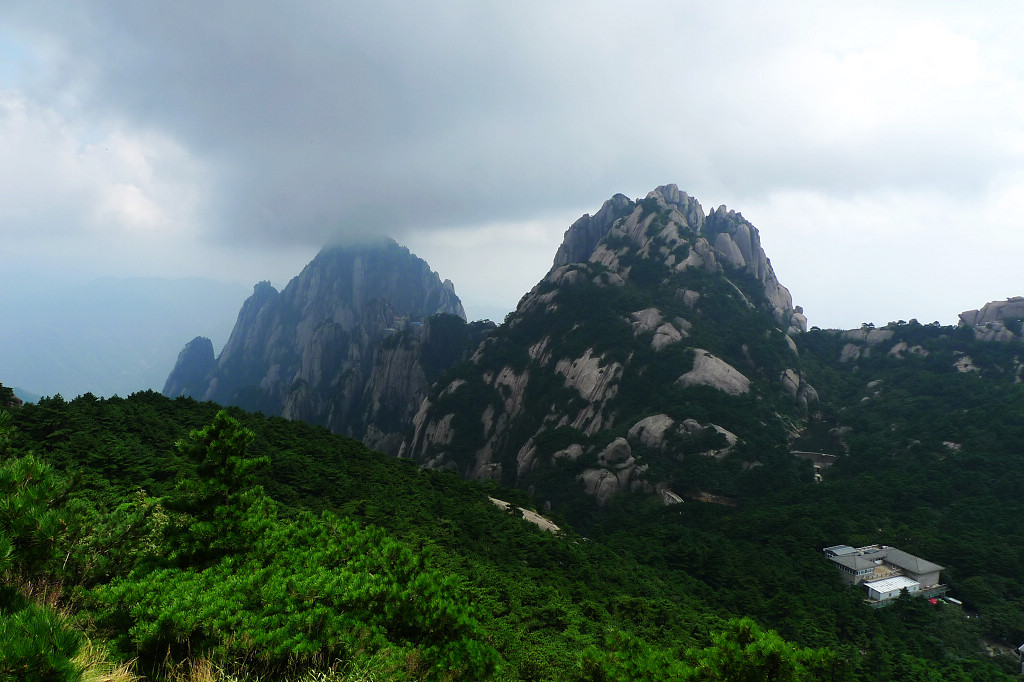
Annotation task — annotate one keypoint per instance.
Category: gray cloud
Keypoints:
(272, 125)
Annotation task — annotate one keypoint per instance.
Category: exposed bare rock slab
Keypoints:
(709, 370)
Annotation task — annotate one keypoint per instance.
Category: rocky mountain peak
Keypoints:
(309, 351)
(654, 320)
(670, 227)
(669, 196)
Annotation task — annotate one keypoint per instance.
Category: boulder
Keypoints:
(571, 453)
(600, 484)
(616, 452)
(790, 381)
(650, 431)
(849, 353)
(709, 370)
(645, 320)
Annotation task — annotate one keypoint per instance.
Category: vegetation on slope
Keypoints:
(331, 556)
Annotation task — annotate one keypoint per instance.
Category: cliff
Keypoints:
(316, 350)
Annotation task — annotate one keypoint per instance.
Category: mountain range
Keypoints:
(659, 346)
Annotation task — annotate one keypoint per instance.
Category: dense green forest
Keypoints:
(171, 539)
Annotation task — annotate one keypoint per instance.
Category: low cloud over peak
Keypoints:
(245, 129)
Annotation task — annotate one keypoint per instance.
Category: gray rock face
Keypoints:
(582, 237)
(966, 364)
(8, 400)
(1010, 309)
(999, 321)
(902, 349)
(798, 389)
(737, 242)
(665, 333)
(651, 431)
(189, 376)
(868, 335)
(315, 351)
(850, 353)
(724, 239)
(709, 370)
(617, 452)
(798, 323)
(618, 472)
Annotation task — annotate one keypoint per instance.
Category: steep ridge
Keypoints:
(340, 346)
(656, 344)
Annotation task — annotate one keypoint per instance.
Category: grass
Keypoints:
(95, 661)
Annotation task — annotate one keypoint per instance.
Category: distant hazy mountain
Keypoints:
(25, 396)
(351, 344)
(106, 336)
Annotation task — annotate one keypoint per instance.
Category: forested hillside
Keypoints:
(186, 538)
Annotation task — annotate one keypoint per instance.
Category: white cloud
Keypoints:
(494, 264)
(889, 256)
(74, 196)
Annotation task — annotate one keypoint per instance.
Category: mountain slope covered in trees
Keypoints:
(330, 555)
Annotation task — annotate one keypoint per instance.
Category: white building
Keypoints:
(890, 588)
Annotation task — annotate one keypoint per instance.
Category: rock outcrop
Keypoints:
(997, 321)
(585, 234)
(715, 372)
(738, 243)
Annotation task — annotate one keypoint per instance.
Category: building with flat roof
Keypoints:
(885, 571)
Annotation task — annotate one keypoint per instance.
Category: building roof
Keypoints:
(909, 562)
(855, 561)
(840, 550)
(865, 557)
(891, 584)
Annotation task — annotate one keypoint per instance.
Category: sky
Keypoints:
(876, 146)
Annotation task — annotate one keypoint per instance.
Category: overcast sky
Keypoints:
(877, 146)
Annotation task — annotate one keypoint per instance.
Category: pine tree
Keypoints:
(214, 507)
